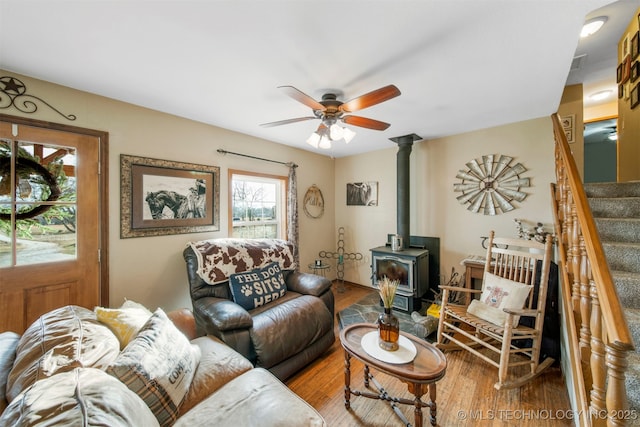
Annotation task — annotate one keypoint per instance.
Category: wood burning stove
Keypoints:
(417, 264)
(410, 267)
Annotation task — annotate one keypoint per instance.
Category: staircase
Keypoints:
(616, 210)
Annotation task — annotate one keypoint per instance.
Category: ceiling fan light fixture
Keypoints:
(592, 26)
(325, 142)
(336, 132)
(347, 135)
(314, 140)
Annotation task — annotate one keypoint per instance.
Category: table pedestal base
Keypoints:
(417, 389)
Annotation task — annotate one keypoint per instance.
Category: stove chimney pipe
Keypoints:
(405, 144)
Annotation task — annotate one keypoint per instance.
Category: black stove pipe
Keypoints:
(405, 144)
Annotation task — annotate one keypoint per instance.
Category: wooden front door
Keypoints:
(50, 231)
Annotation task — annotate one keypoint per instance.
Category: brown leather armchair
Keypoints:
(282, 336)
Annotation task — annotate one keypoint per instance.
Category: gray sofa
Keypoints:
(61, 372)
(282, 335)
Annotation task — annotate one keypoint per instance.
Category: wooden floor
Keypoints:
(466, 396)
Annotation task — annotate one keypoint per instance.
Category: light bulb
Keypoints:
(325, 142)
(313, 140)
(347, 134)
(335, 132)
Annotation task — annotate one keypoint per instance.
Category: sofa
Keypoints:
(131, 367)
(247, 293)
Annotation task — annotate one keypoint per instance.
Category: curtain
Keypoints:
(292, 213)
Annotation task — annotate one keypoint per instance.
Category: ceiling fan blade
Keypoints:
(371, 98)
(302, 97)
(364, 122)
(286, 122)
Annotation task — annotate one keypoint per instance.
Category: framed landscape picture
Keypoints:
(160, 197)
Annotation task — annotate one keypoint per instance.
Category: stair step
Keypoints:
(619, 229)
(622, 256)
(613, 189)
(615, 207)
(632, 379)
(628, 286)
(632, 382)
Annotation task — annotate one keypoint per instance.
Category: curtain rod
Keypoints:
(221, 151)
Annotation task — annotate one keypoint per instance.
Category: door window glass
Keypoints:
(37, 203)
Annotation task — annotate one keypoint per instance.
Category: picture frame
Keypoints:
(164, 197)
(626, 69)
(568, 127)
(635, 71)
(362, 193)
(625, 46)
(619, 73)
(635, 45)
(620, 91)
(635, 96)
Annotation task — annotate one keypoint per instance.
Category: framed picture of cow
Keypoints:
(160, 197)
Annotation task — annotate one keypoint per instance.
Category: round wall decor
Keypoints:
(313, 203)
(491, 184)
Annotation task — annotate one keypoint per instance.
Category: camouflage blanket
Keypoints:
(219, 258)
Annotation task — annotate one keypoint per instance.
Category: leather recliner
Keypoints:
(282, 336)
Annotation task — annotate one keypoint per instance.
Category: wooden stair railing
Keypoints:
(598, 334)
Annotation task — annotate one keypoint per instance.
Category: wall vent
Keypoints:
(578, 62)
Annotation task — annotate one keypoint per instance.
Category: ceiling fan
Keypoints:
(331, 111)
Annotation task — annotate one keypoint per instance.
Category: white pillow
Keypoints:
(499, 293)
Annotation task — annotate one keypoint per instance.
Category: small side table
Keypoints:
(420, 375)
(473, 270)
(320, 270)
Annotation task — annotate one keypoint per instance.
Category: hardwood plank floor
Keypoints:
(465, 396)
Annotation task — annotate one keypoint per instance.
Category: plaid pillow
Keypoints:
(158, 365)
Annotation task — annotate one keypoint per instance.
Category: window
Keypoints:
(257, 205)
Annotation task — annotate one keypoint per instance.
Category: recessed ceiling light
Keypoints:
(592, 25)
(599, 96)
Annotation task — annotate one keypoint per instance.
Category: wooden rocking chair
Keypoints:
(513, 269)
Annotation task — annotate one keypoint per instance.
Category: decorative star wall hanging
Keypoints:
(13, 93)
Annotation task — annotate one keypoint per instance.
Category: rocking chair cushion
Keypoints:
(499, 293)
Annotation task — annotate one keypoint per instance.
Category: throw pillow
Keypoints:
(158, 365)
(58, 341)
(81, 397)
(8, 344)
(255, 288)
(499, 293)
(124, 322)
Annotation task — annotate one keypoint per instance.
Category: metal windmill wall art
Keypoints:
(491, 184)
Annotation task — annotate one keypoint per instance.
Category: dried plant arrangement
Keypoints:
(387, 290)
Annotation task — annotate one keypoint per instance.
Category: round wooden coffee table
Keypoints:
(420, 375)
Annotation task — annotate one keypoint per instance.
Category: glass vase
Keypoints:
(388, 330)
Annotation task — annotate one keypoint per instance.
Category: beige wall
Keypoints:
(601, 112)
(151, 269)
(628, 119)
(434, 208)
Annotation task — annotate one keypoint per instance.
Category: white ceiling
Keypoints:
(461, 65)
